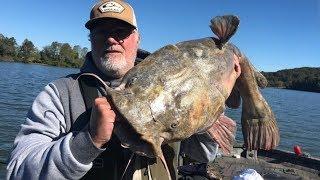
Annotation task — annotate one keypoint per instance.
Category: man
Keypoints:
(68, 130)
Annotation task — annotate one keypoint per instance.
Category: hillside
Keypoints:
(304, 79)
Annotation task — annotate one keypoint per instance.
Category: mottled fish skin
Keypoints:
(177, 91)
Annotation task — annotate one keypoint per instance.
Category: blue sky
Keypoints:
(274, 34)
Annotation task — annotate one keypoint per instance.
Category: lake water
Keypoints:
(297, 112)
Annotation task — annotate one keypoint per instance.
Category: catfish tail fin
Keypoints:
(224, 27)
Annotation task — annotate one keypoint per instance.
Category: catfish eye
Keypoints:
(173, 125)
(131, 82)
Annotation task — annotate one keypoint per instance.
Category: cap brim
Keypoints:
(93, 22)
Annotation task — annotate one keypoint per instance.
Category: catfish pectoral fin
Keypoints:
(223, 132)
(260, 133)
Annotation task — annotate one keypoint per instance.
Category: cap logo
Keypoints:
(111, 7)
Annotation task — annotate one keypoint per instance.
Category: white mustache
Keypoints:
(114, 48)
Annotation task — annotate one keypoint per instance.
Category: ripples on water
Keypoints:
(19, 85)
(297, 112)
(298, 117)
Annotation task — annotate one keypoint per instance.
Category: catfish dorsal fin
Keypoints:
(224, 27)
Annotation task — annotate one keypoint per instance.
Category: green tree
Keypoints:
(56, 54)
(80, 54)
(1, 45)
(8, 47)
(83, 53)
(67, 55)
(77, 50)
(28, 53)
(50, 54)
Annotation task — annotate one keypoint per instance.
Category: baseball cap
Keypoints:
(117, 9)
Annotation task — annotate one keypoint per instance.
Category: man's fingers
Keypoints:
(101, 121)
(103, 108)
(111, 116)
(102, 102)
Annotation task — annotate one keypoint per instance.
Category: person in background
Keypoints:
(68, 129)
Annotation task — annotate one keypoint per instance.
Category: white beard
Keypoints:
(111, 68)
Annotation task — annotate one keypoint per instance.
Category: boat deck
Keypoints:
(275, 164)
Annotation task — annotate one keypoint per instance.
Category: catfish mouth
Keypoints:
(124, 129)
(131, 139)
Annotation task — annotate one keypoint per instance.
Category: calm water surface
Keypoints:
(297, 112)
(19, 85)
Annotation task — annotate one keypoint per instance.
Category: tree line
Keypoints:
(55, 54)
(64, 55)
(304, 79)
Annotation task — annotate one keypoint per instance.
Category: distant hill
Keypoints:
(304, 79)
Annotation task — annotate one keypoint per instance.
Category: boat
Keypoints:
(272, 164)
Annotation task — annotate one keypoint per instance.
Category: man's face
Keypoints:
(114, 47)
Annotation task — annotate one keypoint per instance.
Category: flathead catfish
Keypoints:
(182, 89)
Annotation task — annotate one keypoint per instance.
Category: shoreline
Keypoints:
(312, 91)
(9, 59)
(13, 61)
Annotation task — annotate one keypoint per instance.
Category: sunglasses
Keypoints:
(118, 34)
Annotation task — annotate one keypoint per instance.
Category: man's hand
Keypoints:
(101, 122)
